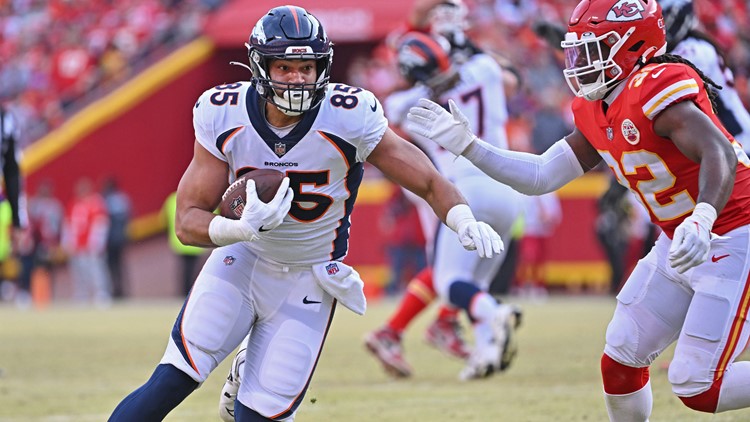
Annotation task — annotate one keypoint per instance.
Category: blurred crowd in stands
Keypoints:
(57, 54)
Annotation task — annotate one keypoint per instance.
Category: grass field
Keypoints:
(73, 364)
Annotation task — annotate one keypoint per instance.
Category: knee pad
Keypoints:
(284, 371)
(690, 373)
(210, 317)
(621, 379)
(207, 329)
(706, 401)
(622, 340)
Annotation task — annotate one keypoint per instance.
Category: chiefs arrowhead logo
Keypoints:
(626, 11)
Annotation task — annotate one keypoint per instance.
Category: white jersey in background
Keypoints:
(323, 156)
(480, 96)
(731, 110)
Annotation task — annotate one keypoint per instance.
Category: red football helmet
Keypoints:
(608, 40)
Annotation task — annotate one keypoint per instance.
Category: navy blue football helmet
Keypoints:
(423, 58)
(679, 18)
(290, 33)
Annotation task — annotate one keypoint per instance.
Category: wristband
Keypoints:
(706, 213)
(458, 216)
(223, 231)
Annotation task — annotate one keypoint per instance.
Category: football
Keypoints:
(267, 182)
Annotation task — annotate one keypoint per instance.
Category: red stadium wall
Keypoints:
(142, 135)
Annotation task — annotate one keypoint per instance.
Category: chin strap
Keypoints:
(242, 65)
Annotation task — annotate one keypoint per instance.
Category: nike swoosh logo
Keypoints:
(261, 229)
(374, 106)
(718, 258)
(656, 74)
(308, 302)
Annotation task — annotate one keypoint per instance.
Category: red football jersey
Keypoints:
(663, 179)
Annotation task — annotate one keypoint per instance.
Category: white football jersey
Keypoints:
(731, 111)
(481, 98)
(323, 157)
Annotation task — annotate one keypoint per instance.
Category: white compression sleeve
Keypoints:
(530, 174)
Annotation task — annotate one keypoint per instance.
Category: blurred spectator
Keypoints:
(404, 238)
(42, 249)
(85, 239)
(542, 215)
(612, 229)
(118, 210)
(188, 255)
(13, 192)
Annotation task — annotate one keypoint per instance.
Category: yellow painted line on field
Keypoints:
(115, 104)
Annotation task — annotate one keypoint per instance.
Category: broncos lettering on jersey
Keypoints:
(663, 179)
(322, 155)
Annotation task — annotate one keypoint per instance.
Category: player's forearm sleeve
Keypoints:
(530, 174)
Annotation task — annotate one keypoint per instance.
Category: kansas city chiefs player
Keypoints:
(651, 118)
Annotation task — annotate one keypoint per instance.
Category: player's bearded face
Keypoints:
(293, 79)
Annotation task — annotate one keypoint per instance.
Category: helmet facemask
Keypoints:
(290, 98)
(590, 67)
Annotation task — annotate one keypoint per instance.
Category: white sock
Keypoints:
(483, 307)
(633, 407)
(735, 388)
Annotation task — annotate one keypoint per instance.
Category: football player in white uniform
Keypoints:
(685, 40)
(278, 272)
(650, 116)
(476, 85)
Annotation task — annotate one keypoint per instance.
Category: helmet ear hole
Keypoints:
(637, 46)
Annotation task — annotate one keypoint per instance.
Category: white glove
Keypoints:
(473, 234)
(449, 130)
(692, 239)
(257, 216)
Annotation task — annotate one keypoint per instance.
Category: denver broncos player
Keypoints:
(477, 85)
(685, 40)
(650, 118)
(278, 272)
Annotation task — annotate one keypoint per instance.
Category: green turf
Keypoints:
(75, 364)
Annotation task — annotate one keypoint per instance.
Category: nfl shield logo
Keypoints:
(279, 148)
(229, 260)
(610, 133)
(332, 268)
(237, 205)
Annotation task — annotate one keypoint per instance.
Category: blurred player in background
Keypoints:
(14, 193)
(476, 85)
(650, 117)
(685, 40)
(278, 272)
